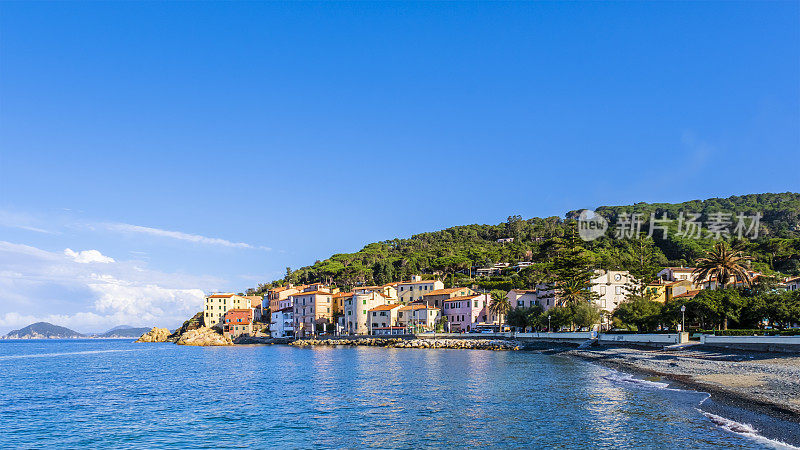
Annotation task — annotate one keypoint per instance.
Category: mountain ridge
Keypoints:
(455, 251)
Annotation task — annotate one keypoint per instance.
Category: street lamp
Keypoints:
(549, 330)
(683, 318)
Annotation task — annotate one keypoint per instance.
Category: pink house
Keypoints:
(463, 313)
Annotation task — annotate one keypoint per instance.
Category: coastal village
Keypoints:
(422, 305)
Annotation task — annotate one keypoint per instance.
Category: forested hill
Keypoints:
(456, 250)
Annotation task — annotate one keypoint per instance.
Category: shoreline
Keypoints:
(775, 415)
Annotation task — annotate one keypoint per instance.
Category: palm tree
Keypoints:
(724, 263)
(572, 292)
(499, 306)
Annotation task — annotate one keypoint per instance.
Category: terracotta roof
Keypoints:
(687, 294)
(393, 283)
(525, 291)
(384, 307)
(462, 298)
(445, 291)
(298, 294)
(681, 269)
(679, 281)
(416, 306)
(791, 280)
(221, 296)
(342, 294)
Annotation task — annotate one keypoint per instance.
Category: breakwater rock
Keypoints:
(203, 336)
(260, 340)
(155, 335)
(477, 344)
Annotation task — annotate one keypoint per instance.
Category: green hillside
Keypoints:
(455, 252)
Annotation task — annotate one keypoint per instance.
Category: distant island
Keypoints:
(44, 330)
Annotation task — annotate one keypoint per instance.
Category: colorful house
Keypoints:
(382, 319)
(436, 298)
(414, 290)
(313, 310)
(464, 313)
(356, 310)
(238, 322)
(418, 317)
(216, 305)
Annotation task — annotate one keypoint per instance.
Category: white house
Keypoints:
(282, 320)
(356, 309)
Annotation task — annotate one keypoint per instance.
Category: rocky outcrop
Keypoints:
(478, 344)
(196, 322)
(203, 336)
(155, 335)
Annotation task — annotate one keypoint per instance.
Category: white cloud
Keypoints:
(88, 256)
(38, 285)
(196, 238)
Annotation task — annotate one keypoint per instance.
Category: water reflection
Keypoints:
(286, 397)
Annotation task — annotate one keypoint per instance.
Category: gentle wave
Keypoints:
(732, 426)
(616, 376)
(746, 430)
(51, 355)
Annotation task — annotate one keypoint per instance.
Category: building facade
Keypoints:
(356, 310)
(275, 295)
(238, 322)
(415, 290)
(216, 305)
(523, 298)
(436, 298)
(282, 323)
(312, 310)
(418, 317)
(382, 319)
(465, 313)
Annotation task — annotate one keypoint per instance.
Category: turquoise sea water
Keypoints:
(116, 394)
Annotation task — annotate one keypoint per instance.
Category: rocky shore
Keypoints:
(768, 382)
(155, 335)
(203, 337)
(476, 344)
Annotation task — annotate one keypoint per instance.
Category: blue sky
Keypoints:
(204, 146)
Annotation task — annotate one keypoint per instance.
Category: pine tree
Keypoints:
(572, 269)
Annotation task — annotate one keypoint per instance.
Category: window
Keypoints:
(365, 301)
(618, 290)
(374, 314)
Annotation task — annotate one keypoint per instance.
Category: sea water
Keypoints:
(117, 394)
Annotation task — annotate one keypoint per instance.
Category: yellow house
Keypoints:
(216, 305)
(416, 288)
(658, 292)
